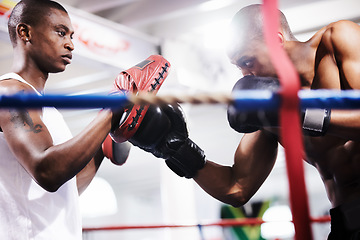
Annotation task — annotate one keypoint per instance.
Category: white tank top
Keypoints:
(27, 211)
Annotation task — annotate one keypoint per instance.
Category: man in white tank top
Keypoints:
(42, 168)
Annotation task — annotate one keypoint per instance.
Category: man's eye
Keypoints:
(61, 33)
(247, 63)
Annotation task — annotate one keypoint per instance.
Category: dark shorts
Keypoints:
(345, 222)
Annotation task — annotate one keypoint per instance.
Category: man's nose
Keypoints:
(247, 72)
(69, 45)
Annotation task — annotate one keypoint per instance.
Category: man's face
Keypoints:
(51, 41)
(251, 57)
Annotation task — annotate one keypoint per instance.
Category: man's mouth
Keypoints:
(67, 58)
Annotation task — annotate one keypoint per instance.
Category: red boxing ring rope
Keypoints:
(289, 113)
(222, 223)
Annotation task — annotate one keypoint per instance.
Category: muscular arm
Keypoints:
(253, 162)
(85, 176)
(342, 41)
(50, 165)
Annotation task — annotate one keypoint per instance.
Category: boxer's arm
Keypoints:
(86, 175)
(120, 153)
(50, 165)
(253, 161)
(343, 39)
(345, 124)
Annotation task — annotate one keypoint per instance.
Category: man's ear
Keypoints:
(281, 38)
(23, 31)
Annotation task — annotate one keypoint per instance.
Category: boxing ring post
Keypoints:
(290, 134)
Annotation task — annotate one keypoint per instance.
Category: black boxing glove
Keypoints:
(154, 127)
(163, 132)
(315, 121)
(251, 121)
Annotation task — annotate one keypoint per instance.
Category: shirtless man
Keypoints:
(329, 60)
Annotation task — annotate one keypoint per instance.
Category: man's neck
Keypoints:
(29, 71)
(303, 58)
(36, 80)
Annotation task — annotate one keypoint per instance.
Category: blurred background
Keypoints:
(113, 35)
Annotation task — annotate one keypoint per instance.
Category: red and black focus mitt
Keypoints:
(116, 152)
(146, 76)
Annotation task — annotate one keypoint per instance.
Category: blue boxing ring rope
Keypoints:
(244, 100)
(62, 101)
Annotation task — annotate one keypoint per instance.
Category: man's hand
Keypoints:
(163, 132)
(315, 122)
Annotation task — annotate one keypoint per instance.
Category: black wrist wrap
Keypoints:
(316, 122)
(187, 160)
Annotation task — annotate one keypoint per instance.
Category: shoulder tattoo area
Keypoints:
(22, 119)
